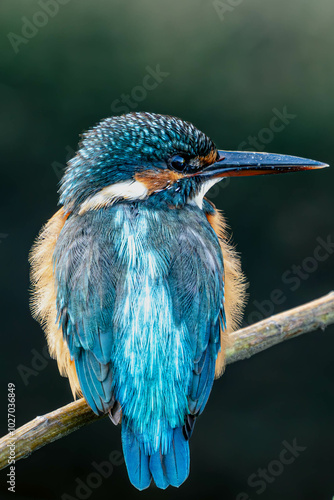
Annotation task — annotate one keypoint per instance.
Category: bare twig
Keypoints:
(245, 343)
(284, 326)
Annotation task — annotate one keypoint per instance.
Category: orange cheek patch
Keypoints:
(157, 179)
(208, 159)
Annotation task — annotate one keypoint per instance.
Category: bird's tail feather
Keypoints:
(136, 461)
(171, 468)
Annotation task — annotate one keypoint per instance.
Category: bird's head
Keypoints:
(140, 156)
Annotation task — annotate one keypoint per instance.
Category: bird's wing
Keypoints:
(197, 284)
(86, 282)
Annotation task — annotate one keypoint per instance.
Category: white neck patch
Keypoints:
(198, 199)
(135, 190)
(128, 190)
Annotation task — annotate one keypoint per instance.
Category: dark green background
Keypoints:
(226, 76)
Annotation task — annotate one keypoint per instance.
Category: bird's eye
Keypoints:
(178, 162)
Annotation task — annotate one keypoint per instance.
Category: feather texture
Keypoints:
(140, 311)
(139, 295)
(234, 282)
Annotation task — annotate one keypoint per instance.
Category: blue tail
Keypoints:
(171, 468)
(136, 461)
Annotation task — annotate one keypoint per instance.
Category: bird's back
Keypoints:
(140, 292)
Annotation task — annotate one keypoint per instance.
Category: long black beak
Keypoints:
(240, 163)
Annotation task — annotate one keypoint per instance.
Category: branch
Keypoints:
(245, 343)
(284, 326)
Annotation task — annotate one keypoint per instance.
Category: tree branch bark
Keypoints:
(245, 343)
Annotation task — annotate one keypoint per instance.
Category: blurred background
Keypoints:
(255, 74)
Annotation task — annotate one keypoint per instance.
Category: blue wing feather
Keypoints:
(86, 384)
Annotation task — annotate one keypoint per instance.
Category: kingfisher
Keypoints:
(136, 282)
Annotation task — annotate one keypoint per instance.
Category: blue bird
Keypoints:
(136, 282)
